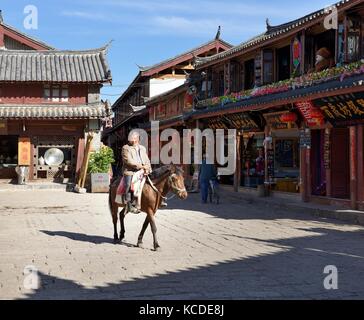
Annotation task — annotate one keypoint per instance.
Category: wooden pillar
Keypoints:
(353, 168)
(328, 168)
(308, 174)
(237, 174)
(303, 49)
(266, 148)
(360, 144)
(303, 175)
(80, 154)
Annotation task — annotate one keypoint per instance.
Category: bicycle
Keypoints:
(214, 192)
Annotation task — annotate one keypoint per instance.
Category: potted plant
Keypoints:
(99, 167)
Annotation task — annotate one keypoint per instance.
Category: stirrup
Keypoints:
(132, 209)
(164, 204)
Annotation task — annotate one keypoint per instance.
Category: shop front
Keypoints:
(50, 150)
(250, 151)
(338, 149)
(282, 147)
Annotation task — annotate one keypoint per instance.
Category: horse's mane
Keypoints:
(159, 172)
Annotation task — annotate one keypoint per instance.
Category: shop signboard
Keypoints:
(239, 121)
(343, 110)
(274, 120)
(270, 162)
(305, 138)
(24, 151)
(313, 116)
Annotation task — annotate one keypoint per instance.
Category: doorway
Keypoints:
(340, 166)
(318, 171)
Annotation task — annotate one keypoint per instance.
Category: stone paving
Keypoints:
(238, 250)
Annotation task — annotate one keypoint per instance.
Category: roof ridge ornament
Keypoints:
(218, 34)
(269, 26)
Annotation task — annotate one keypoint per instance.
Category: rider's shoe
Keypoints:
(164, 204)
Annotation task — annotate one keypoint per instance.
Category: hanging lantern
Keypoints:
(289, 117)
(188, 100)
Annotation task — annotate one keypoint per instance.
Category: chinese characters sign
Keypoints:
(24, 151)
(343, 109)
(239, 121)
(312, 115)
(274, 120)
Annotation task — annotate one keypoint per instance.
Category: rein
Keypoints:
(170, 183)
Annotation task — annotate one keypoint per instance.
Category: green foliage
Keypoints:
(100, 161)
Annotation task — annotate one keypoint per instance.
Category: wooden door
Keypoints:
(340, 166)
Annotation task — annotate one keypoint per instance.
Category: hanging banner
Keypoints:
(24, 151)
(313, 116)
(343, 110)
(296, 53)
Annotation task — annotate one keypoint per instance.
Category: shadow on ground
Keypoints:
(296, 271)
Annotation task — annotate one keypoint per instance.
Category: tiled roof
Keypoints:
(191, 51)
(54, 66)
(90, 111)
(272, 32)
(40, 43)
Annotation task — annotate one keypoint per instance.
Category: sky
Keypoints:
(147, 32)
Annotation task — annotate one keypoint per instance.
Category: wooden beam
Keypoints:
(281, 102)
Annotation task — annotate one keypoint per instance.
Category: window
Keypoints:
(353, 39)
(56, 93)
(341, 44)
(268, 69)
(249, 74)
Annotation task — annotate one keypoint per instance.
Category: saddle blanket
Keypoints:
(137, 184)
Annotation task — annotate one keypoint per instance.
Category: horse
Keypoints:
(170, 178)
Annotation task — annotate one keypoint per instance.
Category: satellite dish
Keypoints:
(54, 157)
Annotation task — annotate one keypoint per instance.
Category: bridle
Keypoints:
(175, 189)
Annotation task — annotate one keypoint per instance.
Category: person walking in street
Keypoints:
(206, 173)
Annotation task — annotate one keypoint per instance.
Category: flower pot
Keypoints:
(100, 182)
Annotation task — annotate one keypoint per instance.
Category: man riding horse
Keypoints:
(135, 158)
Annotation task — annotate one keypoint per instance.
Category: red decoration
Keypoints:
(188, 100)
(288, 117)
(312, 115)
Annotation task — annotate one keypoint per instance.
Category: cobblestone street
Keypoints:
(238, 250)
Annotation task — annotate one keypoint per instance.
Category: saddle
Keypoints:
(137, 184)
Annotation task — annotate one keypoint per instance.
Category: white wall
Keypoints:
(159, 86)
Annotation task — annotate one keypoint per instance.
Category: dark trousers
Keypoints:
(128, 180)
(204, 186)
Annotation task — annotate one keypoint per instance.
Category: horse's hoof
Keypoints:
(116, 241)
(157, 249)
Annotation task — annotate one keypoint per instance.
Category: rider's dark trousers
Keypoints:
(128, 180)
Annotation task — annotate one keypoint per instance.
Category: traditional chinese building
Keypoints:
(295, 96)
(49, 99)
(130, 109)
